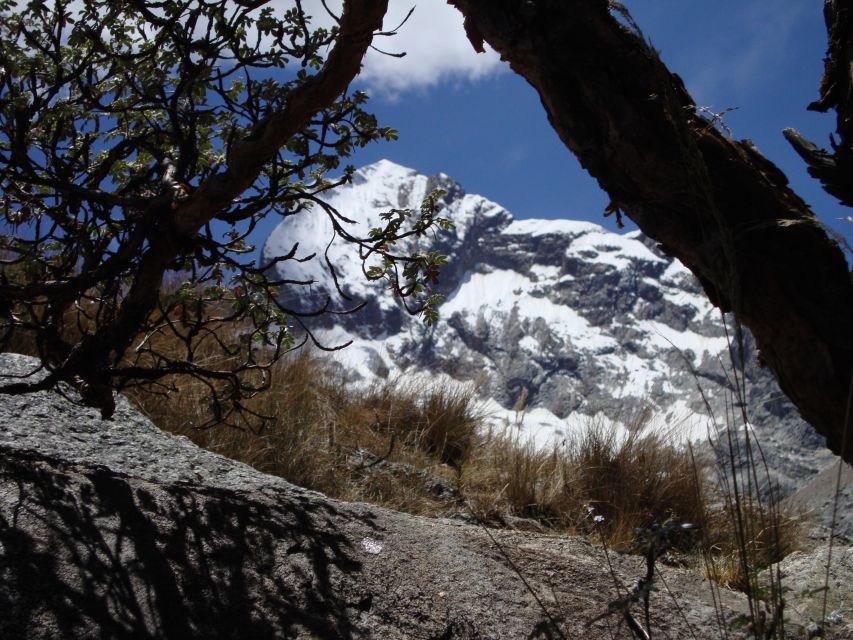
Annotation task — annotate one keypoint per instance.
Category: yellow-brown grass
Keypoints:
(631, 482)
(733, 556)
(333, 437)
(392, 443)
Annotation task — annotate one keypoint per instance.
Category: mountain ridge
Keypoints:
(560, 318)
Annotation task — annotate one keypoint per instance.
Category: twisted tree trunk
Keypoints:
(715, 203)
(835, 169)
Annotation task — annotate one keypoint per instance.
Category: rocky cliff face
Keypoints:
(559, 319)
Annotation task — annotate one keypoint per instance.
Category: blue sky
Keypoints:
(468, 116)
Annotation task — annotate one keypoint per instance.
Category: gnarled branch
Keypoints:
(715, 203)
(834, 169)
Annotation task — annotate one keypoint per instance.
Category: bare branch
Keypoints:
(715, 203)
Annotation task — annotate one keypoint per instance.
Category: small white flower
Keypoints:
(598, 518)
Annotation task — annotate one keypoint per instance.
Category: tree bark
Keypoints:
(835, 169)
(173, 229)
(713, 202)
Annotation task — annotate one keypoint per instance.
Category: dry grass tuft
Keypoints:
(293, 445)
(638, 480)
(733, 556)
(393, 443)
(420, 447)
(439, 419)
(631, 481)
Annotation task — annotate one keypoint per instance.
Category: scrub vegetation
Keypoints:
(426, 448)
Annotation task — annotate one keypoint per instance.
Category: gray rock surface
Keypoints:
(827, 497)
(90, 553)
(113, 529)
(129, 444)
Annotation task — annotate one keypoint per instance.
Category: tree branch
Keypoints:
(175, 227)
(715, 203)
(247, 157)
(835, 169)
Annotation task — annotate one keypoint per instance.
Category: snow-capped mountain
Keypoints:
(551, 319)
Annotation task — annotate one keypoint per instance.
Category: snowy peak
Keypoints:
(392, 186)
(560, 317)
(538, 305)
(385, 185)
(374, 190)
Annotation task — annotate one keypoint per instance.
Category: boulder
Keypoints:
(114, 529)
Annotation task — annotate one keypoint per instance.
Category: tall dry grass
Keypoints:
(421, 447)
(630, 480)
(748, 530)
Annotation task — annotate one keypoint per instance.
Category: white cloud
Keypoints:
(436, 49)
(435, 44)
(433, 39)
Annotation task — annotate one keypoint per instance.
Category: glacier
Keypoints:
(553, 323)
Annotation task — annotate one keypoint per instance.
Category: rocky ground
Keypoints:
(114, 529)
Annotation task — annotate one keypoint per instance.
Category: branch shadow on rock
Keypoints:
(86, 552)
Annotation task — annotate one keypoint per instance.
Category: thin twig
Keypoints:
(834, 522)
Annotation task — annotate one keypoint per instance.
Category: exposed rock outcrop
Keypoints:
(113, 529)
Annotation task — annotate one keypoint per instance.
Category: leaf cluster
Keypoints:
(116, 117)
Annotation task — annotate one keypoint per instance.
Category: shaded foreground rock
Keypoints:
(91, 553)
(192, 545)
